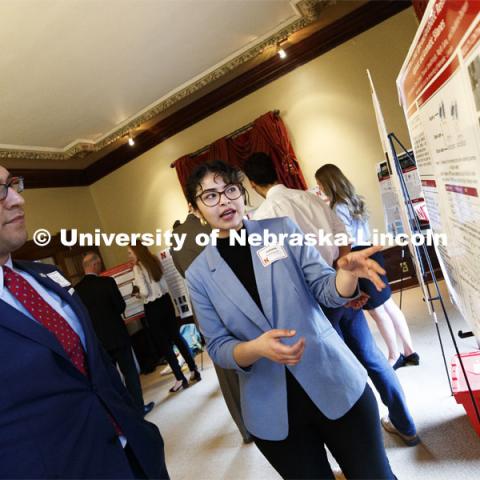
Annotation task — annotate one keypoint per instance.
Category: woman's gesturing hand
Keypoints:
(269, 345)
(360, 265)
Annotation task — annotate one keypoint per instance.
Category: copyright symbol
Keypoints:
(42, 237)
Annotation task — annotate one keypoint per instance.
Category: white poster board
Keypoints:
(176, 285)
(439, 87)
(391, 209)
(123, 275)
(397, 189)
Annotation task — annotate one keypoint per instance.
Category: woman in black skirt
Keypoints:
(351, 209)
(160, 313)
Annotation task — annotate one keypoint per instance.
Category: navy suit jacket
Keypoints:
(54, 421)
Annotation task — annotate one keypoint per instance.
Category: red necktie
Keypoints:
(47, 316)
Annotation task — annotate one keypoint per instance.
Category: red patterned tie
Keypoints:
(44, 314)
(47, 316)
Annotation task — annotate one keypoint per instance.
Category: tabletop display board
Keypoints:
(439, 88)
(123, 275)
(176, 285)
(393, 220)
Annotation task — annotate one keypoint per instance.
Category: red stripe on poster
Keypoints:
(470, 191)
(440, 81)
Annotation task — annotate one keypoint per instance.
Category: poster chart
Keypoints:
(123, 275)
(176, 285)
(391, 208)
(395, 195)
(414, 187)
(439, 88)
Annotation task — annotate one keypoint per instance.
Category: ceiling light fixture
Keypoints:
(131, 141)
(281, 45)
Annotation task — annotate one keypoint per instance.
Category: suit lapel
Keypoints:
(233, 289)
(75, 305)
(263, 275)
(19, 323)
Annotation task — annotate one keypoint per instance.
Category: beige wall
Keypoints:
(57, 208)
(326, 105)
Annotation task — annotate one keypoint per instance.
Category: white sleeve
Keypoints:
(140, 281)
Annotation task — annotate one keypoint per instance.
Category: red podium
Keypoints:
(471, 362)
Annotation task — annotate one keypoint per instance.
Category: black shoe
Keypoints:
(400, 362)
(412, 359)
(195, 376)
(183, 385)
(148, 408)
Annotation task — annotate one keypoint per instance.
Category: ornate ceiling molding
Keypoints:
(310, 11)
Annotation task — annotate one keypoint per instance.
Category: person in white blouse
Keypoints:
(351, 209)
(160, 313)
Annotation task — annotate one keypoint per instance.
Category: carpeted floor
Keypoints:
(202, 441)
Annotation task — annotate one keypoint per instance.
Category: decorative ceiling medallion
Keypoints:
(310, 11)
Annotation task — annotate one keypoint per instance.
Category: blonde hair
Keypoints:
(339, 189)
(149, 261)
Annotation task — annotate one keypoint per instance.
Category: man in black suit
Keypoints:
(106, 305)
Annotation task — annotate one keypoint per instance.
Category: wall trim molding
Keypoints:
(365, 17)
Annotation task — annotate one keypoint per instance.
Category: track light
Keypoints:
(131, 142)
(281, 53)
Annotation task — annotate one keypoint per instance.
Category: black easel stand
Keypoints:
(415, 227)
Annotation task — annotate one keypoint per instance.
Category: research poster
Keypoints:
(176, 285)
(439, 88)
(395, 193)
(391, 208)
(123, 275)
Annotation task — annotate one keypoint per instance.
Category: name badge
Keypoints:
(271, 254)
(57, 277)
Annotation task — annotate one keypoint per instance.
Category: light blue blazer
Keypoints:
(290, 290)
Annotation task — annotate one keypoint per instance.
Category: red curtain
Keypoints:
(268, 134)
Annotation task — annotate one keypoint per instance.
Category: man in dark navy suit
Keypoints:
(106, 305)
(64, 412)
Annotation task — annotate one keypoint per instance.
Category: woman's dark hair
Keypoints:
(219, 168)
(149, 261)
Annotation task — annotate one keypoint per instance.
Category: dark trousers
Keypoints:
(230, 387)
(124, 358)
(352, 326)
(355, 440)
(165, 331)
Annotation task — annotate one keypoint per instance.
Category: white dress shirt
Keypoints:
(307, 210)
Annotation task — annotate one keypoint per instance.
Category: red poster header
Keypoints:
(441, 34)
(470, 191)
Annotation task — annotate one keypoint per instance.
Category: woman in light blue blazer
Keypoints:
(258, 308)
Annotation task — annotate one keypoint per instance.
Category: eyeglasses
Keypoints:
(211, 198)
(15, 183)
